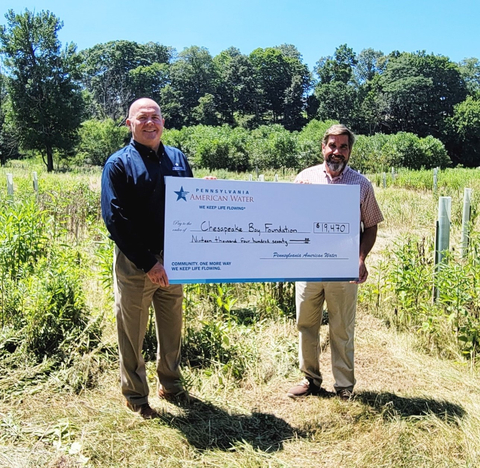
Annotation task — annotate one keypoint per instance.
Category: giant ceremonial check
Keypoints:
(232, 231)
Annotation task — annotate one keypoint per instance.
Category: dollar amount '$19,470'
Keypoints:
(331, 228)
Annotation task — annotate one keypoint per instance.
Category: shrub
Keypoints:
(42, 298)
(379, 153)
(25, 233)
(310, 142)
(273, 147)
(212, 148)
(54, 311)
(367, 154)
(100, 139)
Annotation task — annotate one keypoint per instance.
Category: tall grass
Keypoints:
(59, 399)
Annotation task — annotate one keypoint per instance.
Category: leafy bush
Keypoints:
(42, 295)
(25, 234)
(310, 142)
(379, 153)
(463, 131)
(367, 154)
(439, 303)
(100, 139)
(273, 147)
(54, 310)
(212, 147)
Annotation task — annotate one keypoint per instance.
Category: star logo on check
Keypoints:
(181, 194)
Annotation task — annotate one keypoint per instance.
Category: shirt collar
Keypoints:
(147, 152)
(340, 176)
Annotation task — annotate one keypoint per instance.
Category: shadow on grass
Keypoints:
(390, 406)
(207, 426)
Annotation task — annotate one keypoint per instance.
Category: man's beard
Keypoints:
(335, 166)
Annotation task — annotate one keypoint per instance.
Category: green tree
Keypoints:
(419, 92)
(369, 64)
(238, 93)
(284, 81)
(149, 80)
(336, 101)
(464, 133)
(206, 111)
(46, 101)
(340, 67)
(470, 70)
(118, 72)
(194, 75)
(8, 137)
(336, 93)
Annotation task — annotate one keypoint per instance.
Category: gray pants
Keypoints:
(134, 293)
(341, 300)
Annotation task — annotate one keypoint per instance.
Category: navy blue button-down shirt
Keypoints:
(133, 198)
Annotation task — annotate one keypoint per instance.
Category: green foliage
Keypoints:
(409, 151)
(8, 132)
(220, 318)
(310, 142)
(214, 339)
(216, 150)
(336, 100)
(470, 71)
(212, 147)
(338, 68)
(54, 310)
(367, 154)
(117, 72)
(193, 76)
(284, 81)
(464, 133)
(268, 147)
(41, 279)
(273, 147)
(438, 302)
(98, 140)
(46, 100)
(419, 91)
(409, 281)
(379, 153)
(25, 233)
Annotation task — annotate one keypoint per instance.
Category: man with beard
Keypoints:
(341, 297)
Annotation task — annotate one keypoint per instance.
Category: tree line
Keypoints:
(58, 101)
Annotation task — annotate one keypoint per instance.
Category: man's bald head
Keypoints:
(142, 102)
(145, 121)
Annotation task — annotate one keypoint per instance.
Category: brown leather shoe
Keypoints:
(145, 411)
(180, 397)
(308, 387)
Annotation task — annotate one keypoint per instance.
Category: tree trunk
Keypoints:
(49, 158)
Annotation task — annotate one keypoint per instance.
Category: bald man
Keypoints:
(133, 207)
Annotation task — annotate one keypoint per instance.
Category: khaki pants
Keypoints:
(341, 298)
(134, 293)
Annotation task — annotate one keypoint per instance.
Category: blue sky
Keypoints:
(315, 27)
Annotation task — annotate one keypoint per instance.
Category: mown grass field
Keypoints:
(417, 398)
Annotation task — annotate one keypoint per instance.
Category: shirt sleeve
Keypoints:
(370, 211)
(115, 202)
